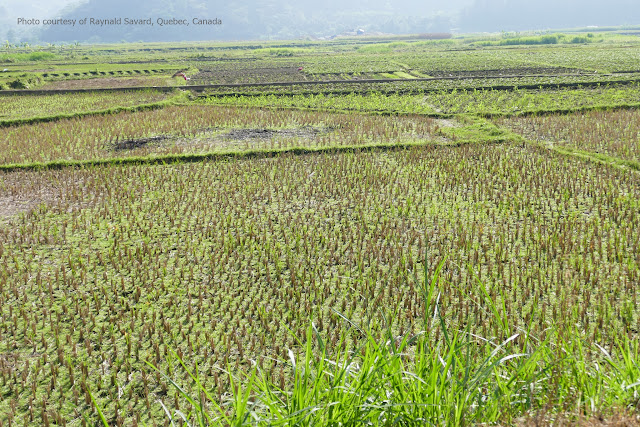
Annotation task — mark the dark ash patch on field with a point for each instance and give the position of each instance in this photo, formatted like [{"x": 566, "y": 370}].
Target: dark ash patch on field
[
  {"x": 132, "y": 144},
  {"x": 265, "y": 134}
]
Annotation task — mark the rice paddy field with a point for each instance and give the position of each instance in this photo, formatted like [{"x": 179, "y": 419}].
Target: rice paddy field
[{"x": 358, "y": 231}]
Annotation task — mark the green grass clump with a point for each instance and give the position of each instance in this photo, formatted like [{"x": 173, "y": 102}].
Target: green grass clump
[{"x": 460, "y": 379}]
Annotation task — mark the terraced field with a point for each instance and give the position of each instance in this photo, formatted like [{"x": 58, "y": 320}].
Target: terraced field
[{"x": 458, "y": 243}]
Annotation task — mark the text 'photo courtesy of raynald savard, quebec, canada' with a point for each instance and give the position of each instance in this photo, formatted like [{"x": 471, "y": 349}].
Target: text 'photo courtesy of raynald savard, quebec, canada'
[{"x": 278, "y": 213}]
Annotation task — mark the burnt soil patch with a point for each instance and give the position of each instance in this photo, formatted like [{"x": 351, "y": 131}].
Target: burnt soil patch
[
  {"x": 132, "y": 144},
  {"x": 262, "y": 133}
]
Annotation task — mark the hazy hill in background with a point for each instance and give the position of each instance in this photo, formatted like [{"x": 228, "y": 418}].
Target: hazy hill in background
[
  {"x": 259, "y": 19},
  {"x": 286, "y": 19},
  {"x": 10, "y": 10}
]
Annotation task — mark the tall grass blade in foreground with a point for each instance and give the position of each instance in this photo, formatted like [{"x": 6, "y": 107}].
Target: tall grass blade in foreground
[{"x": 462, "y": 380}]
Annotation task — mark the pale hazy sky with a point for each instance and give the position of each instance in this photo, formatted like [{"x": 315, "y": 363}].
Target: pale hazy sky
[{"x": 17, "y": 8}]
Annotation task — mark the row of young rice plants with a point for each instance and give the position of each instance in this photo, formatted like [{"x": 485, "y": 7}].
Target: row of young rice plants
[
  {"x": 224, "y": 265},
  {"x": 369, "y": 102},
  {"x": 441, "y": 61},
  {"x": 483, "y": 102},
  {"x": 202, "y": 129},
  {"x": 94, "y": 64},
  {"x": 107, "y": 82},
  {"x": 435, "y": 85},
  {"x": 437, "y": 61},
  {"x": 531, "y": 101},
  {"x": 613, "y": 133},
  {"x": 603, "y": 58},
  {"x": 349, "y": 62},
  {"x": 245, "y": 76},
  {"x": 244, "y": 63},
  {"x": 21, "y": 106},
  {"x": 425, "y": 59}
]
